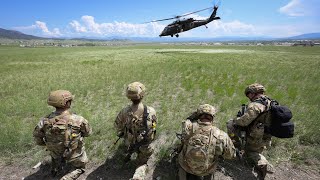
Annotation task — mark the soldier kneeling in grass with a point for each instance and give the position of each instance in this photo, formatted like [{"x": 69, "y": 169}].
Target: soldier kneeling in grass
[
  {"x": 201, "y": 145},
  {"x": 136, "y": 124},
  {"x": 63, "y": 132}
]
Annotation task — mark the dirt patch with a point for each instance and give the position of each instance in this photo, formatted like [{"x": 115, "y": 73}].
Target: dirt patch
[{"x": 164, "y": 170}]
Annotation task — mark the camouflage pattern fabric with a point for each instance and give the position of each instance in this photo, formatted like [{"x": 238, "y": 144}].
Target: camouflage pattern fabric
[
  {"x": 131, "y": 124},
  {"x": 257, "y": 140},
  {"x": 204, "y": 143},
  {"x": 57, "y": 142},
  {"x": 73, "y": 174}
]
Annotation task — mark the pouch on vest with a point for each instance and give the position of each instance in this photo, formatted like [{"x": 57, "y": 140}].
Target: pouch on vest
[
  {"x": 257, "y": 130},
  {"x": 55, "y": 130},
  {"x": 60, "y": 133}
]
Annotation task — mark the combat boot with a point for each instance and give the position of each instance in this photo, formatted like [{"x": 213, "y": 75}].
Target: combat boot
[
  {"x": 54, "y": 172},
  {"x": 270, "y": 169},
  {"x": 54, "y": 167},
  {"x": 73, "y": 175},
  {"x": 261, "y": 171},
  {"x": 140, "y": 172},
  {"x": 209, "y": 177}
]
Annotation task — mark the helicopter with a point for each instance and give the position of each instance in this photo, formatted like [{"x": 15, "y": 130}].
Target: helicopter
[{"x": 179, "y": 26}]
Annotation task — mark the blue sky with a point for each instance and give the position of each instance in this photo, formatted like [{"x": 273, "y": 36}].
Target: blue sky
[{"x": 105, "y": 18}]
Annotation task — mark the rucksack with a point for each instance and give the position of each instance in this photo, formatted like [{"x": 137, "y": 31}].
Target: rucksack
[
  {"x": 200, "y": 149},
  {"x": 281, "y": 126},
  {"x": 59, "y": 134}
]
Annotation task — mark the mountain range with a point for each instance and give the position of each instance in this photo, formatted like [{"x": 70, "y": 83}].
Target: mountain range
[{"x": 11, "y": 34}]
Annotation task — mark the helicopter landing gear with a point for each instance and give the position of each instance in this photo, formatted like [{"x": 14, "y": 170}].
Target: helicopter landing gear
[
  {"x": 171, "y": 35},
  {"x": 177, "y": 35},
  {"x": 206, "y": 26}
]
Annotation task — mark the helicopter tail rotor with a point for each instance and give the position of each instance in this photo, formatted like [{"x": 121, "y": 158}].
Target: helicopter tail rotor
[
  {"x": 216, "y": 3},
  {"x": 214, "y": 11}
]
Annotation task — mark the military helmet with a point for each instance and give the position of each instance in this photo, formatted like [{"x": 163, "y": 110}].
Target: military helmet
[
  {"x": 206, "y": 109},
  {"x": 59, "y": 98},
  {"x": 254, "y": 88},
  {"x": 135, "y": 90}
]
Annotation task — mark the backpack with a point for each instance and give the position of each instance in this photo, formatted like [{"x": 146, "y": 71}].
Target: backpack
[
  {"x": 281, "y": 126},
  {"x": 200, "y": 149},
  {"x": 60, "y": 134}
]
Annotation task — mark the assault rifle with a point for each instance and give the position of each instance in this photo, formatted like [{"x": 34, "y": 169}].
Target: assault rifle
[
  {"x": 193, "y": 117},
  {"x": 176, "y": 150},
  {"x": 135, "y": 147},
  {"x": 120, "y": 135},
  {"x": 241, "y": 134}
]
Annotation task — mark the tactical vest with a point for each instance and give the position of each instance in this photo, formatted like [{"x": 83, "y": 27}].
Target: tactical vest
[
  {"x": 62, "y": 136},
  {"x": 201, "y": 149},
  {"x": 139, "y": 129}
]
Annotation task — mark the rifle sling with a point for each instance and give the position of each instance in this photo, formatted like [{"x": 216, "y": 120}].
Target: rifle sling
[
  {"x": 145, "y": 120},
  {"x": 136, "y": 146}
]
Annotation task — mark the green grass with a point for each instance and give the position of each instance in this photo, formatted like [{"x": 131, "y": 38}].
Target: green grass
[{"x": 178, "y": 79}]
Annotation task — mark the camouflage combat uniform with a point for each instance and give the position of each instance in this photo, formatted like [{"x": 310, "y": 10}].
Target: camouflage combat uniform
[
  {"x": 131, "y": 124},
  {"x": 255, "y": 121},
  {"x": 136, "y": 123},
  {"x": 257, "y": 140},
  {"x": 63, "y": 132},
  {"x": 217, "y": 143}
]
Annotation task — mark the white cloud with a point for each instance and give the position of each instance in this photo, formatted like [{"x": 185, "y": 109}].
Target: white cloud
[
  {"x": 220, "y": 28},
  {"x": 279, "y": 30},
  {"x": 88, "y": 26},
  {"x": 77, "y": 27},
  {"x": 40, "y": 28},
  {"x": 301, "y": 8},
  {"x": 91, "y": 24},
  {"x": 287, "y": 30},
  {"x": 233, "y": 28}
]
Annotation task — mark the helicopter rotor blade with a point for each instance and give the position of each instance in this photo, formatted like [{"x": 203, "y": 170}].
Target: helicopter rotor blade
[
  {"x": 162, "y": 19},
  {"x": 195, "y": 12},
  {"x": 177, "y": 17}
]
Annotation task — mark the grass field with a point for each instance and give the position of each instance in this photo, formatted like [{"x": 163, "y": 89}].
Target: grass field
[{"x": 178, "y": 79}]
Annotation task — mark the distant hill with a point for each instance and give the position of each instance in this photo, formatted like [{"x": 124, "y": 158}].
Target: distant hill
[
  {"x": 11, "y": 34},
  {"x": 196, "y": 39},
  {"x": 309, "y": 36},
  {"x": 102, "y": 39}
]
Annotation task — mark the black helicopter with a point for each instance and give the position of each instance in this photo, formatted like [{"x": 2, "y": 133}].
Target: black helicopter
[{"x": 179, "y": 26}]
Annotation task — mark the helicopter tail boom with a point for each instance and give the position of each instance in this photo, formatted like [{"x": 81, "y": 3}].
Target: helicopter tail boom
[{"x": 213, "y": 15}]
